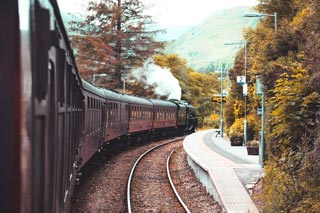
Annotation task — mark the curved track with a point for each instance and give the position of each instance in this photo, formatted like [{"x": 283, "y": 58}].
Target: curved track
[
  {"x": 172, "y": 184},
  {"x": 152, "y": 181}
]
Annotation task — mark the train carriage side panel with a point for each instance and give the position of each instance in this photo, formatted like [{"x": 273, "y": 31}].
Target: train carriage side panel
[
  {"x": 93, "y": 123},
  {"x": 165, "y": 115},
  {"x": 140, "y": 114},
  {"x": 51, "y": 105},
  {"x": 116, "y": 115}
]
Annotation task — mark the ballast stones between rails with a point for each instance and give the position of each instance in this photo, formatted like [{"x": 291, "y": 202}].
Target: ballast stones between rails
[{"x": 129, "y": 204}]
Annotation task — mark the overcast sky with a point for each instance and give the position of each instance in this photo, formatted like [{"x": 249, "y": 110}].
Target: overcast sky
[
  {"x": 172, "y": 12},
  {"x": 189, "y": 12}
]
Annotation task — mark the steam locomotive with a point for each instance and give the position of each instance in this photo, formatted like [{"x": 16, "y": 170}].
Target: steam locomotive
[{"x": 52, "y": 121}]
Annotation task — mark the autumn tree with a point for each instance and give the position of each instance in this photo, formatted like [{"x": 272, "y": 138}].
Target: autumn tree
[
  {"x": 113, "y": 38},
  {"x": 287, "y": 61},
  {"x": 197, "y": 88}
]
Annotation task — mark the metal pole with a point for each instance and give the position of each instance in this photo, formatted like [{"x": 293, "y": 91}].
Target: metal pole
[
  {"x": 245, "y": 124},
  {"x": 221, "y": 104},
  {"x": 94, "y": 78},
  {"x": 245, "y": 59},
  {"x": 124, "y": 86},
  {"x": 261, "y": 154},
  {"x": 275, "y": 21}
]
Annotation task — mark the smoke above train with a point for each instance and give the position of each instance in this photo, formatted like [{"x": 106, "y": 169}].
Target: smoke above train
[{"x": 162, "y": 78}]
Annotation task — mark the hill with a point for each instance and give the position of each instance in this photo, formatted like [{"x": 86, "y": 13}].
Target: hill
[{"x": 203, "y": 44}]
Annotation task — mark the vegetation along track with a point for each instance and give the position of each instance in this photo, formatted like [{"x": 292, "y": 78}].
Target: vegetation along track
[{"x": 103, "y": 185}]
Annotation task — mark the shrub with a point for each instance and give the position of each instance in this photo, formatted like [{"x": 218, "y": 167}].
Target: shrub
[{"x": 236, "y": 130}]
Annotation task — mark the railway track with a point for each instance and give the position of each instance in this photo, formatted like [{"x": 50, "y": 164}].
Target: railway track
[
  {"x": 172, "y": 183},
  {"x": 150, "y": 183},
  {"x": 103, "y": 185}
]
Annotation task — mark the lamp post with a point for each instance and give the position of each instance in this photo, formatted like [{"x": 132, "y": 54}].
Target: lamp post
[
  {"x": 98, "y": 75},
  {"x": 245, "y": 123},
  {"x": 260, "y": 92},
  {"x": 123, "y": 78},
  {"x": 263, "y": 15},
  {"x": 222, "y": 94},
  {"x": 221, "y": 102},
  {"x": 126, "y": 80}
]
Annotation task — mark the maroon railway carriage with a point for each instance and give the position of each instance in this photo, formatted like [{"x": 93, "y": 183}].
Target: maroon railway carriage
[
  {"x": 94, "y": 118},
  {"x": 164, "y": 118},
  {"x": 116, "y": 115},
  {"x": 140, "y": 118},
  {"x": 42, "y": 109}
]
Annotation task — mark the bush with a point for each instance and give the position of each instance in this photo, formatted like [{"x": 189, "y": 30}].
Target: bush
[
  {"x": 254, "y": 127},
  {"x": 237, "y": 128}
]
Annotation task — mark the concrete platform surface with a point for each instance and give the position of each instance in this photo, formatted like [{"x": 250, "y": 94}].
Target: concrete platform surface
[{"x": 229, "y": 168}]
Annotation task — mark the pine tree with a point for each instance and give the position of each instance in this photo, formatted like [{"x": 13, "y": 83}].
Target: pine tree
[{"x": 113, "y": 39}]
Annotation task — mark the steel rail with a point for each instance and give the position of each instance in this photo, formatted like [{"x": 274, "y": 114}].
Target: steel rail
[
  {"x": 135, "y": 165},
  {"x": 172, "y": 184}
]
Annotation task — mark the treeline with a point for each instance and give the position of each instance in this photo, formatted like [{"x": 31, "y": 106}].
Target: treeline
[
  {"x": 287, "y": 60},
  {"x": 114, "y": 38}
]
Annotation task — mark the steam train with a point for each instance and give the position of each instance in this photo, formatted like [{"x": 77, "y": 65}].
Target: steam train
[{"x": 52, "y": 121}]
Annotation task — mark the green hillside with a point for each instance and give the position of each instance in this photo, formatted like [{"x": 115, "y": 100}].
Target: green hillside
[{"x": 204, "y": 43}]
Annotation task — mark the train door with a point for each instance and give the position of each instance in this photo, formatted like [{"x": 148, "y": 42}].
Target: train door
[
  {"x": 127, "y": 116},
  {"x": 103, "y": 119},
  {"x": 61, "y": 114},
  {"x": 40, "y": 68},
  {"x": 106, "y": 121},
  {"x": 45, "y": 147}
]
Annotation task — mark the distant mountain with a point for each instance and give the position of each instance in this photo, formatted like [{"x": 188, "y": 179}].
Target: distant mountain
[
  {"x": 203, "y": 45},
  {"x": 171, "y": 32}
]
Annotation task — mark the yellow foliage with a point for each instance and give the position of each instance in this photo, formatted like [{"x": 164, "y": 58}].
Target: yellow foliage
[
  {"x": 237, "y": 128},
  {"x": 299, "y": 19},
  {"x": 214, "y": 117},
  {"x": 238, "y": 108}
]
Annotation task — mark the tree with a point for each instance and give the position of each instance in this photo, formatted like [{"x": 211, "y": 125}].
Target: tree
[
  {"x": 197, "y": 88},
  {"x": 113, "y": 39},
  {"x": 288, "y": 62}
]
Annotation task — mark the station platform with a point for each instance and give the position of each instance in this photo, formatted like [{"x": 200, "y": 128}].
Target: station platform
[{"x": 230, "y": 170}]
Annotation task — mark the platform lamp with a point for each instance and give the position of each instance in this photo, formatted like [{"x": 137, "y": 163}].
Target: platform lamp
[
  {"x": 260, "y": 92},
  {"x": 263, "y": 15},
  {"x": 97, "y": 75},
  {"x": 245, "y": 123}
]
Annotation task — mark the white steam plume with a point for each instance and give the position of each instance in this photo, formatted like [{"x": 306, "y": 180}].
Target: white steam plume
[{"x": 166, "y": 83}]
